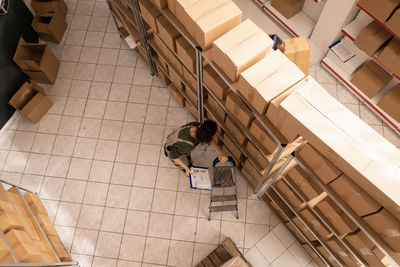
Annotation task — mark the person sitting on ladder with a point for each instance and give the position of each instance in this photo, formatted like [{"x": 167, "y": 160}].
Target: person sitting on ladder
[{"x": 182, "y": 141}]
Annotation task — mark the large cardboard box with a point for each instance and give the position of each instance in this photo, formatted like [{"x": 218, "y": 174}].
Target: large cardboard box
[
  {"x": 256, "y": 156},
  {"x": 168, "y": 32},
  {"x": 370, "y": 78},
  {"x": 240, "y": 48},
  {"x": 37, "y": 61},
  {"x": 380, "y": 10},
  {"x": 318, "y": 164},
  {"x": 288, "y": 8},
  {"x": 186, "y": 53},
  {"x": 371, "y": 38},
  {"x": 299, "y": 52},
  {"x": 289, "y": 194},
  {"x": 300, "y": 180},
  {"x": 10, "y": 221},
  {"x": 390, "y": 103},
  {"x": 216, "y": 108},
  {"x": 387, "y": 227},
  {"x": 390, "y": 56},
  {"x": 394, "y": 22},
  {"x": 49, "y": 6},
  {"x": 177, "y": 7},
  {"x": 238, "y": 109},
  {"x": 35, "y": 203},
  {"x": 364, "y": 246},
  {"x": 267, "y": 79},
  {"x": 149, "y": 13},
  {"x": 215, "y": 83},
  {"x": 208, "y": 20},
  {"x": 50, "y": 26},
  {"x": 30, "y": 99},
  {"x": 235, "y": 131},
  {"x": 262, "y": 136}
]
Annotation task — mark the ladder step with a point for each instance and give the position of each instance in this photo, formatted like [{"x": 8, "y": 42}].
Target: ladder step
[
  {"x": 223, "y": 208},
  {"x": 223, "y": 198}
]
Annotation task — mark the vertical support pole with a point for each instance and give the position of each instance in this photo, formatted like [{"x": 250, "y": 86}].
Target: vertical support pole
[
  {"x": 142, "y": 33},
  {"x": 115, "y": 20},
  {"x": 199, "y": 73}
]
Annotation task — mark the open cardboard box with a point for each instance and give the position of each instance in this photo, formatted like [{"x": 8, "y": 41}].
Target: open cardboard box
[
  {"x": 50, "y": 26},
  {"x": 49, "y": 6}
]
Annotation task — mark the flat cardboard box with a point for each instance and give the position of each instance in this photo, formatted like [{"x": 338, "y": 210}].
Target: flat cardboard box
[
  {"x": 37, "y": 61},
  {"x": 364, "y": 246},
  {"x": 49, "y": 6},
  {"x": 386, "y": 226},
  {"x": 288, "y": 8},
  {"x": 289, "y": 194},
  {"x": 370, "y": 78},
  {"x": 240, "y": 48},
  {"x": 238, "y": 109},
  {"x": 149, "y": 13},
  {"x": 168, "y": 32},
  {"x": 191, "y": 110},
  {"x": 50, "y": 26},
  {"x": 175, "y": 78},
  {"x": 394, "y": 22},
  {"x": 208, "y": 20},
  {"x": 305, "y": 186},
  {"x": 262, "y": 136},
  {"x": 235, "y": 131},
  {"x": 35, "y": 203},
  {"x": 46, "y": 224},
  {"x": 187, "y": 53},
  {"x": 318, "y": 164},
  {"x": 390, "y": 56},
  {"x": 256, "y": 156},
  {"x": 215, "y": 83},
  {"x": 371, "y": 38},
  {"x": 268, "y": 79},
  {"x": 380, "y": 10},
  {"x": 299, "y": 52},
  {"x": 390, "y": 103},
  {"x": 319, "y": 228},
  {"x": 216, "y": 108}
]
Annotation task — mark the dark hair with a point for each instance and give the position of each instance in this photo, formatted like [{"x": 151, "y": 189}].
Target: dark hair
[
  {"x": 206, "y": 131},
  {"x": 278, "y": 44}
]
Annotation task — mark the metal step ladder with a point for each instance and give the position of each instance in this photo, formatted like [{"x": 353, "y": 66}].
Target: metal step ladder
[{"x": 224, "y": 178}]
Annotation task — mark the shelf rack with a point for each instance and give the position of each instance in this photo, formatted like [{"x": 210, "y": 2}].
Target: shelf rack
[{"x": 36, "y": 225}]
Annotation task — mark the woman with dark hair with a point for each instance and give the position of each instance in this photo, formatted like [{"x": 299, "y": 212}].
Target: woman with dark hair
[
  {"x": 278, "y": 43},
  {"x": 181, "y": 142}
]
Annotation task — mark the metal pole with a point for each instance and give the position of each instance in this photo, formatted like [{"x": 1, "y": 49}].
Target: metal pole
[
  {"x": 199, "y": 73},
  {"x": 142, "y": 33}
]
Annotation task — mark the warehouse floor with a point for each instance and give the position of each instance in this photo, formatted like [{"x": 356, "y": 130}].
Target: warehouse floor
[{"x": 96, "y": 159}]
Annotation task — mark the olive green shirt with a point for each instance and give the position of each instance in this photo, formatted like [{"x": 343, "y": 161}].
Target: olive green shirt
[{"x": 181, "y": 148}]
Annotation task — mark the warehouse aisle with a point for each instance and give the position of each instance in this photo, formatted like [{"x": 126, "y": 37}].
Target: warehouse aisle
[{"x": 96, "y": 159}]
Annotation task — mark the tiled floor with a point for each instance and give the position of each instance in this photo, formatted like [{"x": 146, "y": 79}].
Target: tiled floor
[{"x": 96, "y": 160}]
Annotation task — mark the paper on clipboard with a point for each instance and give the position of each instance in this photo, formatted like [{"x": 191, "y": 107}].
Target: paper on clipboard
[{"x": 200, "y": 178}]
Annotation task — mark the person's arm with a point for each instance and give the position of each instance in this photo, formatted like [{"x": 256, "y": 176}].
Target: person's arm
[
  {"x": 221, "y": 156},
  {"x": 183, "y": 165}
]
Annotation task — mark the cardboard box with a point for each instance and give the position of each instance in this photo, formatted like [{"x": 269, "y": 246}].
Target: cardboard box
[
  {"x": 380, "y": 10},
  {"x": 50, "y": 26},
  {"x": 49, "y": 6},
  {"x": 319, "y": 228},
  {"x": 46, "y": 224},
  {"x": 306, "y": 232},
  {"x": 175, "y": 63},
  {"x": 238, "y": 109},
  {"x": 303, "y": 183},
  {"x": 31, "y": 100},
  {"x": 30, "y": 227},
  {"x": 386, "y": 226},
  {"x": 235, "y": 262},
  {"x": 215, "y": 83},
  {"x": 162, "y": 75},
  {"x": 256, "y": 156},
  {"x": 58, "y": 246},
  {"x": 161, "y": 3},
  {"x": 268, "y": 79},
  {"x": 371, "y": 38},
  {"x": 191, "y": 110},
  {"x": 325, "y": 253},
  {"x": 216, "y": 109},
  {"x": 35, "y": 204},
  {"x": 358, "y": 200},
  {"x": 318, "y": 164},
  {"x": 296, "y": 233},
  {"x": 262, "y": 136},
  {"x": 4, "y": 249},
  {"x": 193, "y": 98},
  {"x": 394, "y": 22},
  {"x": 162, "y": 47},
  {"x": 390, "y": 56},
  {"x": 186, "y": 53},
  {"x": 168, "y": 32},
  {"x": 235, "y": 131},
  {"x": 208, "y": 20},
  {"x": 390, "y": 103},
  {"x": 27, "y": 253},
  {"x": 288, "y": 8},
  {"x": 314, "y": 255},
  {"x": 149, "y": 13},
  {"x": 341, "y": 252},
  {"x": 253, "y": 176},
  {"x": 6, "y": 207},
  {"x": 299, "y": 52},
  {"x": 289, "y": 194},
  {"x": 14, "y": 237},
  {"x": 175, "y": 78},
  {"x": 37, "y": 61},
  {"x": 360, "y": 242},
  {"x": 177, "y": 7},
  {"x": 233, "y": 149},
  {"x": 240, "y": 48},
  {"x": 191, "y": 81},
  {"x": 370, "y": 78}
]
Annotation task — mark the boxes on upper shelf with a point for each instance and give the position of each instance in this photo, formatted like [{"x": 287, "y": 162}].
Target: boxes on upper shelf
[
  {"x": 371, "y": 38},
  {"x": 390, "y": 103},
  {"x": 50, "y": 26},
  {"x": 49, "y": 6},
  {"x": 31, "y": 100},
  {"x": 370, "y": 78},
  {"x": 299, "y": 52},
  {"x": 149, "y": 13},
  {"x": 238, "y": 109},
  {"x": 176, "y": 94},
  {"x": 37, "y": 61},
  {"x": 288, "y": 8},
  {"x": 207, "y": 20},
  {"x": 380, "y": 10},
  {"x": 390, "y": 56},
  {"x": 394, "y": 22},
  {"x": 167, "y": 31},
  {"x": 186, "y": 53},
  {"x": 215, "y": 83},
  {"x": 240, "y": 48},
  {"x": 267, "y": 79}
]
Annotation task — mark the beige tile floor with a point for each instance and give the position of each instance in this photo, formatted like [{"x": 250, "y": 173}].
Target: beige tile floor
[{"x": 96, "y": 161}]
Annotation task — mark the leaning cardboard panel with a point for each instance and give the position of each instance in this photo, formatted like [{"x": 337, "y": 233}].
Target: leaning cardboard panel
[
  {"x": 371, "y": 38},
  {"x": 299, "y": 52},
  {"x": 390, "y": 103},
  {"x": 50, "y": 26},
  {"x": 49, "y": 6},
  {"x": 37, "y": 61},
  {"x": 381, "y": 9},
  {"x": 240, "y": 48}
]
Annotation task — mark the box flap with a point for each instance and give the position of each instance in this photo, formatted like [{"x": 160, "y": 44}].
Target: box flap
[{"x": 22, "y": 96}]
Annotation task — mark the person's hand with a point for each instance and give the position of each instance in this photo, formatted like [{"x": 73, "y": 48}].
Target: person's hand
[
  {"x": 222, "y": 158},
  {"x": 187, "y": 171}
]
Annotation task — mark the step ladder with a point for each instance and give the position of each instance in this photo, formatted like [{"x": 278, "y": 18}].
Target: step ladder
[{"x": 224, "y": 178}]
